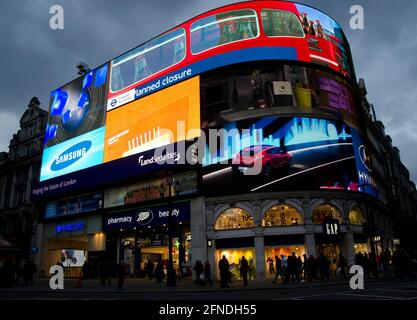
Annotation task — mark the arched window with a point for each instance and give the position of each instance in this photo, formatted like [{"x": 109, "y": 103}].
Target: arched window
[
  {"x": 234, "y": 218},
  {"x": 281, "y": 216},
  {"x": 325, "y": 211},
  {"x": 356, "y": 216}
]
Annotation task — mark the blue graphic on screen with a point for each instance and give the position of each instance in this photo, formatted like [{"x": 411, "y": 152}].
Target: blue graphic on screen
[
  {"x": 60, "y": 99},
  {"x": 75, "y": 154},
  {"x": 364, "y": 166},
  {"x": 293, "y": 133}
]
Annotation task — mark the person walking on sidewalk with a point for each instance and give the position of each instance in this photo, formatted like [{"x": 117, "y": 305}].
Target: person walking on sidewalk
[
  {"x": 199, "y": 270},
  {"x": 342, "y": 266},
  {"x": 28, "y": 270},
  {"x": 207, "y": 273},
  {"x": 224, "y": 272},
  {"x": 278, "y": 269},
  {"x": 121, "y": 275},
  {"x": 244, "y": 266}
]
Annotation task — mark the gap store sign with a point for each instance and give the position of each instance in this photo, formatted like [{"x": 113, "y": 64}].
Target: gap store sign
[{"x": 150, "y": 216}]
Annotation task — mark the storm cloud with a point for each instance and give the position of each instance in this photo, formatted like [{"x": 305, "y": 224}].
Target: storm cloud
[{"x": 36, "y": 59}]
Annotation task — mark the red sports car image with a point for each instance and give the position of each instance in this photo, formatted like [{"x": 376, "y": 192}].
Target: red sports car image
[{"x": 271, "y": 157}]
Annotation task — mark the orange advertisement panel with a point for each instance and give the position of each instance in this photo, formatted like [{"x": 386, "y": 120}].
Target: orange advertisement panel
[{"x": 165, "y": 117}]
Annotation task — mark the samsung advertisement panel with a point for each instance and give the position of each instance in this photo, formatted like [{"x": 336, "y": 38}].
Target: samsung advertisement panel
[
  {"x": 161, "y": 119},
  {"x": 74, "y": 137}
]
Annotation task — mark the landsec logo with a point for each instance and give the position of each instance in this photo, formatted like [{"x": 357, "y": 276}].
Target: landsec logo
[{"x": 71, "y": 155}]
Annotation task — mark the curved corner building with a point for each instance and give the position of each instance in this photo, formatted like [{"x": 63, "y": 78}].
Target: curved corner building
[{"x": 291, "y": 173}]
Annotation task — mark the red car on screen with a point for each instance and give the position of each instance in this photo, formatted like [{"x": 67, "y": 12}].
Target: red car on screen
[{"x": 271, "y": 158}]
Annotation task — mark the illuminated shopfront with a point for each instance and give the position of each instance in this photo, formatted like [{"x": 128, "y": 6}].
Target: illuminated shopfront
[
  {"x": 139, "y": 236},
  {"x": 72, "y": 242},
  {"x": 234, "y": 256},
  {"x": 271, "y": 252}
]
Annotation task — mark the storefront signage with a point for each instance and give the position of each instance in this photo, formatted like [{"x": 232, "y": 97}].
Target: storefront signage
[
  {"x": 70, "y": 227},
  {"x": 331, "y": 229},
  {"x": 142, "y": 217}
]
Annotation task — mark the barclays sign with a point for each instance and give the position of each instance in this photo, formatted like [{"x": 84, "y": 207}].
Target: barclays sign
[{"x": 70, "y": 227}]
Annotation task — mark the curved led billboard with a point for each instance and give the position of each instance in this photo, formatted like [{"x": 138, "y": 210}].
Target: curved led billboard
[{"x": 227, "y": 67}]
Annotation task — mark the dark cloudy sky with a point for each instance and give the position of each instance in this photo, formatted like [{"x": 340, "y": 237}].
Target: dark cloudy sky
[{"x": 35, "y": 59}]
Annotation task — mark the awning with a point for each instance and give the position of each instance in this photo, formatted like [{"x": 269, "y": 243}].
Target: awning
[{"x": 8, "y": 248}]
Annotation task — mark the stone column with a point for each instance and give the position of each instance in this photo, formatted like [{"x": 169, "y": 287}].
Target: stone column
[
  {"x": 310, "y": 244},
  {"x": 260, "y": 258},
  {"x": 348, "y": 248},
  {"x": 198, "y": 231}
]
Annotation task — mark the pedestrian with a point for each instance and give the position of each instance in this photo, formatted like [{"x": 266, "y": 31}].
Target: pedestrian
[
  {"x": 159, "y": 272},
  {"x": 224, "y": 272},
  {"x": 293, "y": 268},
  {"x": 342, "y": 266},
  {"x": 323, "y": 267},
  {"x": 207, "y": 273},
  {"x": 312, "y": 268},
  {"x": 285, "y": 273},
  {"x": 84, "y": 270},
  {"x": 101, "y": 272},
  {"x": 244, "y": 268},
  {"x": 108, "y": 272},
  {"x": 278, "y": 269},
  {"x": 150, "y": 269},
  {"x": 28, "y": 270},
  {"x": 199, "y": 270},
  {"x": 121, "y": 275}
]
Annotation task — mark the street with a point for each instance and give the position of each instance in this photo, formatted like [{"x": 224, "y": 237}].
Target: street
[{"x": 138, "y": 290}]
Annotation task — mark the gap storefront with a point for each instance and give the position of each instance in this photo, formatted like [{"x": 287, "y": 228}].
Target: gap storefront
[{"x": 140, "y": 236}]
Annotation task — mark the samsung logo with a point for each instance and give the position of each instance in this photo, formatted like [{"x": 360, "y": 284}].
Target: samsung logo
[{"x": 71, "y": 155}]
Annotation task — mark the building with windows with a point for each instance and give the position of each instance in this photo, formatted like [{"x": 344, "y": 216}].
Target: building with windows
[{"x": 19, "y": 169}]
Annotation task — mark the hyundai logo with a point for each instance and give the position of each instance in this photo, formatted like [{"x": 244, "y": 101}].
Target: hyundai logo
[
  {"x": 113, "y": 102},
  {"x": 71, "y": 155},
  {"x": 365, "y": 157}
]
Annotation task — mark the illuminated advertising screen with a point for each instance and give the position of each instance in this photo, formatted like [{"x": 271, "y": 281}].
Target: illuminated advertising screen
[
  {"x": 150, "y": 190},
  {"x": 74, "y": 137},
  {"x": 326, "y": 42},
  {"x": 156, "y": 120},
  {"x": 295, "y": 153},
  {"x": 74, "y": 205},
  {"x": 72, "y": 258},
  {"x": 81, "y": 134}
]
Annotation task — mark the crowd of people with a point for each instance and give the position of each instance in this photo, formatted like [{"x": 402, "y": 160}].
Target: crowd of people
[
  {"x": 397, "y": 266},
  {"x": 11, "y": 273}
]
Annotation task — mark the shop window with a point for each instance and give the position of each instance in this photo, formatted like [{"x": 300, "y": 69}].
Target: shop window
[
  {"x": 223, "y": 28},
  {"x": 282, "y": 216},
  {"x": 356, "y": 216},
  {"x": 234, "y": 218},
  {"x": 278, "y": 23},
  {"x": 326, "y": 211}
]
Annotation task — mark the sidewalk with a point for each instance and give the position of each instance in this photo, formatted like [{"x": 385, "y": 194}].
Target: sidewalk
[{"x": 145, "y": 285}]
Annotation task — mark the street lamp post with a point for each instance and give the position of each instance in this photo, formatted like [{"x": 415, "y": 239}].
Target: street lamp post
[
  {"x": 371, "y": 226},
  {"x": 170, "y": 267}
]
